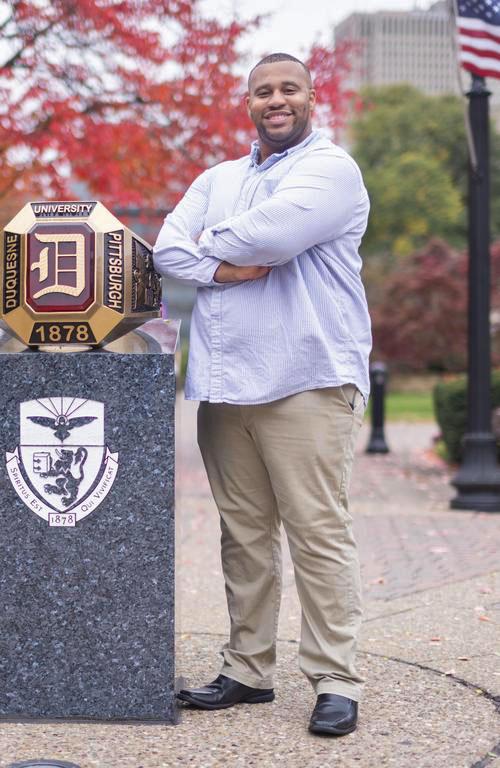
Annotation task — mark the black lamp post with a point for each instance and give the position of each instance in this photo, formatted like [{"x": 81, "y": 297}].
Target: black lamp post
[
  {"x": 378, "y": 378},
  {"x": 478, "y": 478}
]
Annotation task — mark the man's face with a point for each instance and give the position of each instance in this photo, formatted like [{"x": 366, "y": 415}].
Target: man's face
[{"x": 279, "y": 102}]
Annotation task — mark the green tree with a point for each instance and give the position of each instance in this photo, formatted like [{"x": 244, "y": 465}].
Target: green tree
[
  {"x": 413, "y": 198},
  {"x": 396, "y": 122}
]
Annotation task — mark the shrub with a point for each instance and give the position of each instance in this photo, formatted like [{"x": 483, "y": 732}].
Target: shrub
[
  {"x": 421, "y": 322},
  {"x": 420, "y": 313},
  {"x": 450, "y": 407}
]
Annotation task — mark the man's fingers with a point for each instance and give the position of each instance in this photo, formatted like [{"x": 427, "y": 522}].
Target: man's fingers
[
  {"x": 229, "y": 273},
  {"x": 259, "y": 272},
  {"x": 255, "y": 273}
]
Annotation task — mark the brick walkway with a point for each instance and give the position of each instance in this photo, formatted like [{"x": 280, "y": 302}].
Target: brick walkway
[{"x": 409, "y": 538}]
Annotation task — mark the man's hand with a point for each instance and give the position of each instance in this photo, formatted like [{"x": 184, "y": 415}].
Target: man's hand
[{"x": 228, "y": 273}]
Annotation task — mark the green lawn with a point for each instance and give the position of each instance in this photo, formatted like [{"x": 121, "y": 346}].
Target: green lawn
[{"x": 409, "y": 406}]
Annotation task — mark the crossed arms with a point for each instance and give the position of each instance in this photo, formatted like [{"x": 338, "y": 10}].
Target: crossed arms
[{"x": 313, "y": 203}]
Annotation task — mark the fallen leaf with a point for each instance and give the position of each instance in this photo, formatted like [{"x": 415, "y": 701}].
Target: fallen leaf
[
  {"x": 435, "y": 640},
  {"x": 463, "y": 658},
  {"x": 450, "y": 672},
  {"x": 484, "y": 618},
  {"x": 486, "y": 590},
  {"x": 438, "y": 550}
]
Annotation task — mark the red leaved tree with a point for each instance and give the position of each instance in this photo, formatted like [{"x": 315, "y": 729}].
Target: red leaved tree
[
  {"x": 133, "y": 99},
  {"x": 330, "y": 69},
  {"x": 421, "y": 320},
  {"x": 122, "y": 96}
]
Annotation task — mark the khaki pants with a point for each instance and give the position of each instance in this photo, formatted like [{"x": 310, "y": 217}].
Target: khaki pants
[{"x": 289, "y": 461}]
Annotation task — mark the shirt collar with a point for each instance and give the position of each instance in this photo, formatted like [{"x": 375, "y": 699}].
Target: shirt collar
[{"x": 255, "y": 152}]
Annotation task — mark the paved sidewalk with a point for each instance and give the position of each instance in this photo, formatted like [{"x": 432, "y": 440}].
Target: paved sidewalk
[{"x": 429, "y": 649}]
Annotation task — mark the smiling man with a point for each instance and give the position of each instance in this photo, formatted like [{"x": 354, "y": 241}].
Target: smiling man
[
  {"x": 280, "y": 338},
  {"x": 280, "y": 103}
]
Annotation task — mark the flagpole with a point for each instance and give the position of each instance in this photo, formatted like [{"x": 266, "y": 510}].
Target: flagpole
[
  {"x": 478, "y": 478},
  {"x": 453, "y": 8}
]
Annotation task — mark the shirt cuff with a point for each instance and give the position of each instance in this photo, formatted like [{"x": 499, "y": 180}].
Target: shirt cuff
[
  {"x": 206, "y": 243},
  {"x": 210, "y": 267}
]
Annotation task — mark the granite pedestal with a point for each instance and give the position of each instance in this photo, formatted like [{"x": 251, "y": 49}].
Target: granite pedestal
[{"x": 87, "y": 568}]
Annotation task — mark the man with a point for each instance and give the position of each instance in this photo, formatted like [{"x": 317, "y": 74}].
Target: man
[{"x": 280, "y": 338}]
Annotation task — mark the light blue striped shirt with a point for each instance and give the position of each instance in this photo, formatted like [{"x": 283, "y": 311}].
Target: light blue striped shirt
[{"x": 306, "y": 324}]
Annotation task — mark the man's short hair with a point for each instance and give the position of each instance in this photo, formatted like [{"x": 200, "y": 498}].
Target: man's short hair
[{"x": 274, "y": 57}]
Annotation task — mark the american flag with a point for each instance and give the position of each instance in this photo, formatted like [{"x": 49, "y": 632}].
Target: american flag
[{"x": 478, "y": 23}]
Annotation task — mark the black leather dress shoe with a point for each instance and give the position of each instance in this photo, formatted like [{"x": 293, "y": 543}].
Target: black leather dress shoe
[
  {"x": 223, "y": 693},
  {"x": 334, "y": 715}
]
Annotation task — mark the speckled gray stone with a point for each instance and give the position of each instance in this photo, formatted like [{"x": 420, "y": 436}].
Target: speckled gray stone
[{"x": 87, "y": 613}]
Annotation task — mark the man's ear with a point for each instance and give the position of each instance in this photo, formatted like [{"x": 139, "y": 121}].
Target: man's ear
[
  {"x": 247, "y": 102},
  {"x": 312, "y": 98}
]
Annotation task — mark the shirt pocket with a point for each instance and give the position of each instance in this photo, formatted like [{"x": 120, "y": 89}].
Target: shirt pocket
[
  {"x": 263, "y": 191},
  {"x": 270, "y": 185}
]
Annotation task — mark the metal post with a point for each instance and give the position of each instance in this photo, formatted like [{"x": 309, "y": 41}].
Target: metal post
[
  {"x": 478, "y": 479},
  {"x": 378, "y": 377}
]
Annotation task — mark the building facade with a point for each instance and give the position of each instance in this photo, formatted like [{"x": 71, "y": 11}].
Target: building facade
[{"x": 416, "y": 47}]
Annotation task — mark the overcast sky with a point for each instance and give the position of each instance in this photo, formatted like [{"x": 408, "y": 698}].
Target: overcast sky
[{"x": 295, "y": 24}]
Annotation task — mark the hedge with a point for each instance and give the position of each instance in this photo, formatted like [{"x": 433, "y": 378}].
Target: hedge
[{"x": 450, "y": 408}]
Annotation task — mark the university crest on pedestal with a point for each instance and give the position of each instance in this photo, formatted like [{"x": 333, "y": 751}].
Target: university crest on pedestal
[{"x": 62, "y": 469}]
